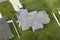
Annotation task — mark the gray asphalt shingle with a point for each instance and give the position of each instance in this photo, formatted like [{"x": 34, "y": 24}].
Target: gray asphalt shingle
[
  {"x": 5, "y": 31},
  {"x": 2, "y": 0},
  {"x": 32, "y": 19}
]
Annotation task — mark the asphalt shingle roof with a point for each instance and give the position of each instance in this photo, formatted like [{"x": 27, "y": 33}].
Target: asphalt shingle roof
[
  {"x": 2, "y": 0},
  {"x": 32, "y": 19},
  {"x": 5, "y": 31}
]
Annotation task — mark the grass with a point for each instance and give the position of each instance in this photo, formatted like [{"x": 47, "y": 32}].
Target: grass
[
  {"x": 8, "y": 12},
  {"x": 54, "y": 4},
  {"x": 50, "y": 31},
  {"x": 6, "y": 9}
]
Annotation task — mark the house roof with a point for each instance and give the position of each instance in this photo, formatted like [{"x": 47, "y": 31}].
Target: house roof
[
  {"x": 32, "y": 19},
  {"x": 37, "y": 26},
  {"x": 42, "y": 17},
  {"x": 2, "y": 0},
  {"x": 5, "y": 31}
]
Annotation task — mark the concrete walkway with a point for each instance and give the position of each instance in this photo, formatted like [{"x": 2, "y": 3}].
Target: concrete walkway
[
  {"x": 56, "y": 19},
  {"x": 11, "y": 21},
  {"x": 16, "y": 4},
  {"x": 59, "y": 12},
  {"x": 0, "y": 15}
]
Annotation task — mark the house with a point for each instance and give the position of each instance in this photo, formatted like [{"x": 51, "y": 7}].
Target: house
[
  {"x": 34, "y": 19},
  {"x": 3, "y": 0},
  {"x": 5, "y": 32}
]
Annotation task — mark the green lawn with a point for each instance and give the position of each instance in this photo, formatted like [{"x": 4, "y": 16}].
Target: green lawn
[
  {"x": 50, "y": 31},
  {"x": 6, "y": 9}
]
